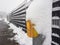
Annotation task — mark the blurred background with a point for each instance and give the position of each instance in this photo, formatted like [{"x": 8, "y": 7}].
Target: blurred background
[{"x": 39, "y": 13}]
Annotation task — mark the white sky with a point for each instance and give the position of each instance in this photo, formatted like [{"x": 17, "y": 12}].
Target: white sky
[
  {"x": 39, "y": 12},
  {"x": 9, "y": 5}
]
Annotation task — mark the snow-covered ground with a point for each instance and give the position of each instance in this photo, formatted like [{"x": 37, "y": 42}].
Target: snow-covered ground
[{"x": 39, "y": 13}]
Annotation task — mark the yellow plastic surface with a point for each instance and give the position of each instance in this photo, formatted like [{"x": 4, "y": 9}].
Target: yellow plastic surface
[{"x": 31, "y": 31}]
